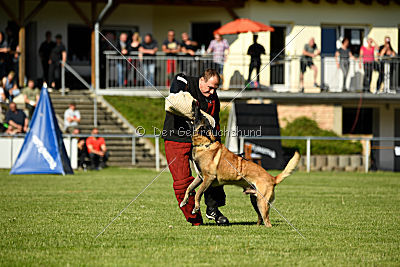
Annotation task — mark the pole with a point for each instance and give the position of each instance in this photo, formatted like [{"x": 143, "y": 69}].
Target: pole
[
  {"x": 157, "y": 153},
  {"x": 22, "y": 55},
  {"x": 308, "y": 154},
  {"x": 367, "y": 148},
  {"x": 62, "y": 79},
  {"x": 133, "y": 150},
  {"x": 241, "y": 145}
]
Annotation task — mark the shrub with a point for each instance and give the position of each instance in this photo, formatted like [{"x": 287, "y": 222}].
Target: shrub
[{"x": 304, "y": 126}]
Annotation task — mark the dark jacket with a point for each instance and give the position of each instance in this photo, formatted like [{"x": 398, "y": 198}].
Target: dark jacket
[{"x": 176, "y": 127}]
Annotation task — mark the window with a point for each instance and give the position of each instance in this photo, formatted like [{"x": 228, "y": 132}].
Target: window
[
  {"x": 79, "y": 43},
  {"x": 203, "y": 32},
  {"x": 354, "y": 123}
]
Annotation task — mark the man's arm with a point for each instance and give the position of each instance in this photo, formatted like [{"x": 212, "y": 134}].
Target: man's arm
[
  {"x": 26, "y": 123},
  {"x": 15, "y": 125}
]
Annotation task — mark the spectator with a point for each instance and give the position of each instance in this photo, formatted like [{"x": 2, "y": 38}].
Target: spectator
[
  {"x": 309, "y": 52},
  {"x": 123, "y": 47},
  {"x": 97, "y": 150},
  {"x": 3, "y": 55},
  {"x": 385, "y": 53},
  {"x": 31, "y": 97},
  {"x": 171, "y": 47},
  {"x": 188, "y": 46},
  {"x": 16, "y": 119},
  {"x": 3, "y": 97},
  {"x": 367, "y": 54},
  {"x": 82, "y": 149},
  {"x": 10, "y": 86},
  {"x": 72, "y": 117},
  {"x": 148, "y": 49},
  {"x": 342, "y": 57},
  {"x": 57, "y": 54},
  {"x": 218, "y": 47},
  {"x": 13, "y": 50},
  {"x": 255, "y": 51},
  {"x": 44, "y": 53},
  {"x": 134, "y": 47}
]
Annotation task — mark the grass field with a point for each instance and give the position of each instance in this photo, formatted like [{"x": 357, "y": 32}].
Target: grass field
[{"x": 347, "y": 219}]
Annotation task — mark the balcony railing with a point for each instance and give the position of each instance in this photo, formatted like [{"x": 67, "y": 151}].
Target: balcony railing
[{"x": 281, "y": 75}]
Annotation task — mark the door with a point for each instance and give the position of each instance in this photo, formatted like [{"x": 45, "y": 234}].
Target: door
[
  {"x": 203, "y": 32},
  {"x": 31, "y": 51},
  {"x": 277, "y": 49}
]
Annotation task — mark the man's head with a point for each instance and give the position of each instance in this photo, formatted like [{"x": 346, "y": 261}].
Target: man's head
[
  {"x": 255, "y": 38},
  {"x": 217, "y": 37},
  {"x": 209, "y": 82},
  {"x": 76, "y": 131},
  {"x": 185, "y": 36},
  {"x": 345, "y": 41},
  {"x": 13, "y": 106},
  {"x": 31, "y": 83},
  {"x": 123, "y": 37},
  {"x": 171, "y": 35},
  {"x": 95, "y": 131},
  {"x": 58, "y": 38},
  {"x": 311, "y": 43},
  {"x": 148, "y": 38},
  {"x": 72, "y": 106},
  {"x": 11, "y": 75},
  {"x": 48, "y": 36}
]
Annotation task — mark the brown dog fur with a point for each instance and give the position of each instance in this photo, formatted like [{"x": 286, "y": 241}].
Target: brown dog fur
[{"x": 216, "y": 165}]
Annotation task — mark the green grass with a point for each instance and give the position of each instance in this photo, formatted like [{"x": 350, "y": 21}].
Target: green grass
[
  {"x": 149, "y": 113},
  {"x": 347, "y": 219}
]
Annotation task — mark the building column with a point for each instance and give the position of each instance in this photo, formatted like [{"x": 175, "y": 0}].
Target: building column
[
  {"x": 21, "y": 62},
  {"x": 386, "y": 129}
]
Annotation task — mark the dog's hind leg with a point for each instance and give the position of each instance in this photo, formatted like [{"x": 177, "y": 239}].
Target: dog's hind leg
[
  {"x": 196, "y": 182},
  {"x": 263, "y": 203},
  {"x": 207, "y": 181},
  {"x": 253, "y": 200}
]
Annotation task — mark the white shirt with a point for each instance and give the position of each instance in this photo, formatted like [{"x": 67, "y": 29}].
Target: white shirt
[{"x": 69, "y": 113}]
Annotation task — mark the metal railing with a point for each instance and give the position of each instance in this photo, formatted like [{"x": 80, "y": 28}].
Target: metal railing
[
  {"x": 133, "y": 137},
  {"x": 283, "y": 74},
  {"x": 308, "y": 140}
]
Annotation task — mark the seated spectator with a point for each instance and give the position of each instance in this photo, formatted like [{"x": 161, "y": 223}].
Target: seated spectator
[
  {"x": 72, "y": 117},
  {"x": 16, "y": 119},
  {"x": 3, "y": 97},
  {"x": 10, "y": 86},
  {"x": 82, "y": 149},
  {"x": 97, "y": 150},
  {"x": 31, "y": 97}
]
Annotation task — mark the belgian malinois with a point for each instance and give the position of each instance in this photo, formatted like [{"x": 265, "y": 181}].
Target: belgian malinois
[{"x": 216, "y": 166}]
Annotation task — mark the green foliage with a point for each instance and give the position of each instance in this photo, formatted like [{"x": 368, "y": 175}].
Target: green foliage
[
  {"x": 348, "y": 219},
  {"x": 149, "y": 113},
  {"x": 304, "y": 126}
]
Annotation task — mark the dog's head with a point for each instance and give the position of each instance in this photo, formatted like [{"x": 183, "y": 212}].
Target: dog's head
[{"x": 202, "y": 128}]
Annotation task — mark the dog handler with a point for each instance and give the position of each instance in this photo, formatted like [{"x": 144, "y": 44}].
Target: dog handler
[{"x": 178, "y": 144}]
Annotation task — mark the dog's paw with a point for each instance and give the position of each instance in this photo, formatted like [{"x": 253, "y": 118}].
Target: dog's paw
[
  {"x": 195, "y": 210},
  {"x": 183, "y": 203}
]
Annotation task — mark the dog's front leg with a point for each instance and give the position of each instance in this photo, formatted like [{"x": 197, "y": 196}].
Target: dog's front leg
[
  {"x": 207, "y": 181},
  {"x": 190, "y": 188}
]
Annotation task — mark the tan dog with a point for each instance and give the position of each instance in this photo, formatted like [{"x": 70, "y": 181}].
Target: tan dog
[{"x": 216, "y": 165}]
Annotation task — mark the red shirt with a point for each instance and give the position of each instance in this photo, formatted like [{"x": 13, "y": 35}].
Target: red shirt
[{"x": 95, "y": 142}]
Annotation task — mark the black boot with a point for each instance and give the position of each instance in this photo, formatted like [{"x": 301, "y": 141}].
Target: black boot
[{"x": 217, "y": 216}]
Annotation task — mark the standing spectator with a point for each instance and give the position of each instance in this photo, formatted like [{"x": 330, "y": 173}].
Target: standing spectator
[
  {"x": 44, "y": 53},
  {"x": 367, "y": 54},
  {"x": 72, "y": 117},
  {"x": 3, "y": 55},
  {"x": 13, "y": 50},
  {"x": 255, "y": 51},
  {"x": 342, "y": 57},
  {"x": 171, "y": 47},
  {"x": 385, "y": 53},
  {"x": 3, "y": 97},
  {"x": 218, "y": 47},
  {"x": 97, "y": 150},
  {"x": 82, "y": 149},
  {"x": 57, "y": 54},
  {"x": 31, "y": 97},
  {"x": 123, "y": 47},
  {"x": 134, "y": 48},
  {"x": 10, "y": 86},
  {"x": 148, "y": 49},
  {"x": 309, "y": 52},
  {"x": 188, "y": 47},
  {"x": 16, "y": 119}
]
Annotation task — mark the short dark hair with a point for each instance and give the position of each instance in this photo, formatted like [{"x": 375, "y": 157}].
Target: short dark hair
[
  {"x": 58, "y": 36},
  {"x": 72, "y": 104},
  {"x": 48, "y": 33},
  {"x": 209, "y": 73}
]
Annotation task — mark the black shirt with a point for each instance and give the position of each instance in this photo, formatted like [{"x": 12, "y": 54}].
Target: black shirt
[
  {"x": 344, "y": 55},
  {"x": 171, "y": 45},
  {"x": 45, "y": 50},
  {"x": 151, "y": 45},
  {"x": 176, "y": 127},
  {"x": 188, "y": 47},
  {"x": 56, "y": 53},
  {"x": 18, "y": 117},
  {"x": 255, "y": 51}
]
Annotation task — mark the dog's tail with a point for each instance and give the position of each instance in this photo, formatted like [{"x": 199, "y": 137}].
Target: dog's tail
[{"x": 289, "y": 168}]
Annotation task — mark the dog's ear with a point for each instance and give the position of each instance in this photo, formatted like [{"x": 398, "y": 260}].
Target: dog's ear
[{"x": 196, "y": 109}]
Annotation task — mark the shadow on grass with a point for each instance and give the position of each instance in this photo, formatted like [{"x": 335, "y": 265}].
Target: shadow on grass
[{"x": 275, "y": 223}]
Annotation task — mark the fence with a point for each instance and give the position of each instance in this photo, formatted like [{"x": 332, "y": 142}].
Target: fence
[
  {"x": 14, "y": 147},
  {"x": 283, "y": 74},
  {"x": 308, "y": 139}
]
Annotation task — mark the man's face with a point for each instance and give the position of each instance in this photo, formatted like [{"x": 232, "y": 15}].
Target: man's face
[
  {"x": 95, "y": 131},
  {"x": 123, "y": 37},
  {"x": 76, "y": 131},
  {"x": 58, "y": 40},
  {"x": 185, "y": 36},
  {"x": 147, "y": 39},
  {"x": 311, "y": 42},
  {"x": 31, "y": 84},
  {"x": 13, "y": 107},
  {"x": 171, "y": 35},
  {"x": 209, "y": 87},
  {"x": 217, "y": 37},
  {"x": 72, "y": 107}
]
